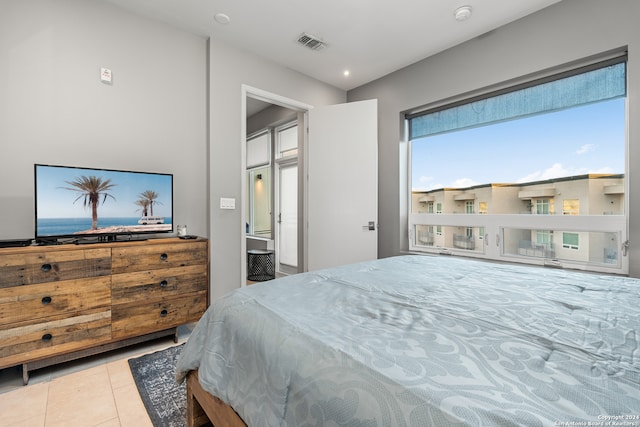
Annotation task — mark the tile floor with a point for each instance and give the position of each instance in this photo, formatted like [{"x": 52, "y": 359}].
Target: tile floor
[{"x": 89, "y": 392}]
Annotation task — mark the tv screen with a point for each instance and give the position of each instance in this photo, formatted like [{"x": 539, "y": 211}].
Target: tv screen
[{"x": 102, "y": 203}]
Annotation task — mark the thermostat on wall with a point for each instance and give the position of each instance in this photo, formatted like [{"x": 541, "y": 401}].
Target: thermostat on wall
[{"x": 105, "y": 75}]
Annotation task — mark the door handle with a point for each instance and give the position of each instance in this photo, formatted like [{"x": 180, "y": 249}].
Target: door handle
[{"x": 369, "y": 226}]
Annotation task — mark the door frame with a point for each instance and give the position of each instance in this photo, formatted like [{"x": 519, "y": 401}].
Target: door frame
[{"x": 302, "y": 109}]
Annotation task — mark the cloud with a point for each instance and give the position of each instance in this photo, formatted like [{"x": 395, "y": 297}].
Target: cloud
[
  {"x": 425, "y": 179},
  {"x": 586, "y": 148},
  {"x": 463, "y": 182},
  {"x": 558, "y": 171},
  {"x": 555, "y": 171},
  {"x": 425, "y": 184}
]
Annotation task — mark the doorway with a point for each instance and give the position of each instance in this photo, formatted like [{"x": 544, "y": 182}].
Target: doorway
[
  {"x": 280, "y": 120},
  {"x": 337, "y": 176}
]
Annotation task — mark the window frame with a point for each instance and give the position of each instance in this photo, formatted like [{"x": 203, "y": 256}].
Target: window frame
[{"x": 496, "y": 224}]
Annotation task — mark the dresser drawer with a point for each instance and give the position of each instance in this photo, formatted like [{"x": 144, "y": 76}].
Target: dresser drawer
[
  {"x": 158, "y": 284},
  {"x": 53, "y": 265},
  {"x": 151, "y": 257},
  {"x": 28, "y": 304},
  {"x": 41, "y": 340},
  {"x": 140, "y": 318}
]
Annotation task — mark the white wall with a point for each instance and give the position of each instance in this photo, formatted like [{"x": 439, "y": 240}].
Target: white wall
[
  {"x": 229, "y": 70},
  {"x": 55, "y": 110},
  {"x": 562, "y": 33}
]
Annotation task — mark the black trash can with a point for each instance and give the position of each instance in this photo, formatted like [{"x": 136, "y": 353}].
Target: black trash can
[{"x": 261, "y": 265}]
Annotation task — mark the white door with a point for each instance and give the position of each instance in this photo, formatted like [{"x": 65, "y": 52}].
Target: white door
[{"x": 342, "y": 174}]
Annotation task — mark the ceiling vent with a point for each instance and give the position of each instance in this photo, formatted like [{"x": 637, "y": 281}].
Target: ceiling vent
[{"x": 311, "y": 42}]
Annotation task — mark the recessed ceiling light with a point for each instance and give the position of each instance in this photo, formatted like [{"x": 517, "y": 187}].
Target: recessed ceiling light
[
  {"x": 463, "y": 13},
  {"x": 346, "y": 73},
  {"x": 222, "y": 18}
]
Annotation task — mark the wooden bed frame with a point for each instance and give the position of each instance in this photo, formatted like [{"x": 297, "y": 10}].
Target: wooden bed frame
[{"x": 203, "y": 408}]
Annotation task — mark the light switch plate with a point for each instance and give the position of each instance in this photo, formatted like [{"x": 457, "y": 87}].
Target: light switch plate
[{"x": 227, "y": 203}]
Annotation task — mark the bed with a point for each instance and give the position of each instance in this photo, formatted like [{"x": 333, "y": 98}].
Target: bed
[{"x": 420, "y": 341}]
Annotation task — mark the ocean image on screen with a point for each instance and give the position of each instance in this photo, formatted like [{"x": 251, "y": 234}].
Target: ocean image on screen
[{"x": 73, "y": 201}]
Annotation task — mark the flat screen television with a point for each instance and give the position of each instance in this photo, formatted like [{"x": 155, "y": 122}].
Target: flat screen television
[{"x": 100, "y": 204}]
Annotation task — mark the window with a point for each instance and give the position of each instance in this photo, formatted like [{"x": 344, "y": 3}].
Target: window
[
  {"x": 570, "y": 240},
  {"x": 570, "y": 207},
  {"x": 544, "y": 206},
  {"x": 560, "y": 138},
  {"x": 544, "y": 237},
  {"x": 429, "y": 207},
  {"x": 468, "y": 207}
]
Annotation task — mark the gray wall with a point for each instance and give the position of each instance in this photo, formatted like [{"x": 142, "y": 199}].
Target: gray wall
[
  {"x": 565, "y": 32},
  {"x": 229, "y": 70},
  {"x": 174, "y": 106},
  {"x": 55, "y": 110}
]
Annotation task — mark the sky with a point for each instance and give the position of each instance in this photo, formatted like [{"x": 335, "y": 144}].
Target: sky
[
  {"x": 576, "y": 141},
  {"x": 55, "y": 201}
]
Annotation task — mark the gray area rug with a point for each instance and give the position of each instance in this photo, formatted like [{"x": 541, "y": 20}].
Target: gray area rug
[{"x": 164, "y": 399}]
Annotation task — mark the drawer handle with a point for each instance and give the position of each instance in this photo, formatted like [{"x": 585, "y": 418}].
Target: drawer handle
[
  {"x": 163, "y": 257},
  {"x": 45, "y": 267},
  {"x": 164, "y": 284},
  {"x": 163, "y": 313},
  {"x": 47, "y": 337},
  {"x": 46, "y": 300}
]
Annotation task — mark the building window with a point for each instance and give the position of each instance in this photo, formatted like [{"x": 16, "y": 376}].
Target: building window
[
  {"x": 468, "y": 207},
  {"x": 544, "y": 237},
  {"x": 429, "y": 207},
  {"x": 552, "y": 117},
  {"x": 570, "y": 240},
  {"x": 544, "y": 206},
  {"x": 570, "y": 207}
]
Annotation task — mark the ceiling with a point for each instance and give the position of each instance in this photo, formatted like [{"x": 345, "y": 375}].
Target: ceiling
[{"x": 370, "y": 38}]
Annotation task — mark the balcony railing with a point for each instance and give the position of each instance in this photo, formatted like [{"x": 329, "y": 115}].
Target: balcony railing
[
  {"x": 540, "y": 250},
  {"x": 425, "y": 238},
  {"x": 462, "y": 241}
]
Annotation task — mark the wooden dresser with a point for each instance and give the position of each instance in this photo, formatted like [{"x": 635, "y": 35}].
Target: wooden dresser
[{"x": 59, "y": 303}]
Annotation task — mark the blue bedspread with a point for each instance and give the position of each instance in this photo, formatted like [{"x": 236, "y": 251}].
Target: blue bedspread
[{"x": 424, "y": 341}]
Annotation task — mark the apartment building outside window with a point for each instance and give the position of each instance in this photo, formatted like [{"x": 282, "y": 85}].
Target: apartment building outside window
[
  {"x": 468, "y": 207},
  {"x": 570, "y": 207},
  {"x": 570, "y": 240},
  {"x": 544, "y": 206},
  {"x": 551, "y": 119}
]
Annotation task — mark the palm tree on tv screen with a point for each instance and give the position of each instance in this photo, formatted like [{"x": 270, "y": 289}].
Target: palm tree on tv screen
[
  {"x": 92, "y": 189},
  {"x": 144, "y": 206},
  {"x": 149, "y": 197}
]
